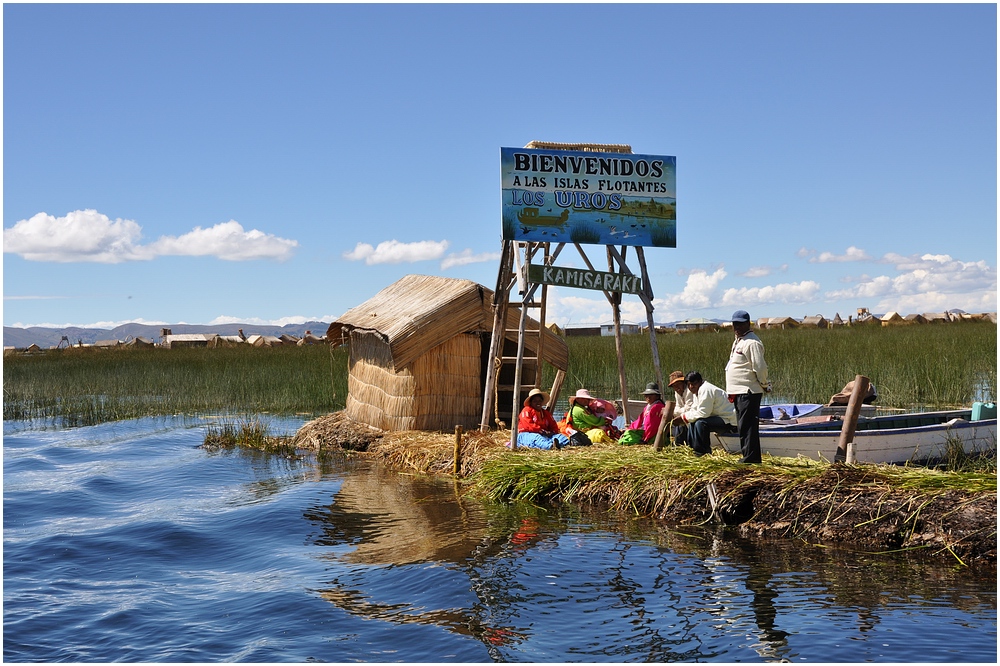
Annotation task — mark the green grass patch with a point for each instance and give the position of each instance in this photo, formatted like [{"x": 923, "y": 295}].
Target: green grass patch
[
  {"x": 247, "y": 433},
  {"x": 641, "y": 478}
]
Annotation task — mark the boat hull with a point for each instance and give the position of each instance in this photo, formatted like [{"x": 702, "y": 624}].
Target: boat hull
[{"x": 874, "y": 444}]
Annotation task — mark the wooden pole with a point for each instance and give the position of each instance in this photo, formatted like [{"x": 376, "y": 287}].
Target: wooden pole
[
  {"x": 500, "y": 300},
  {"x": 861, "y": 384},
  {"x": 557, "y": 383},
  {"x": 648, "y": 302},
  {"x": 516, "y": 407},
  {"x": 616, "y": 312},
  {"x": 458, "y": 450},
  {"x": 666, "y": 416}
]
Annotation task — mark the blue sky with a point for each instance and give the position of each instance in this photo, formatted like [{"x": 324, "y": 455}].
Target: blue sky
[{"x": 271, "y": 163}]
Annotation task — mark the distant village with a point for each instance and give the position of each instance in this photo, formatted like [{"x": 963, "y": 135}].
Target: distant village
[
  {"x": 168, "y": 340},
  {"x": 863, "y": 317}
]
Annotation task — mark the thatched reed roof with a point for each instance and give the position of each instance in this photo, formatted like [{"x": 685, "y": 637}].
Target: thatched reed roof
[{"x": 418, "y": 312}]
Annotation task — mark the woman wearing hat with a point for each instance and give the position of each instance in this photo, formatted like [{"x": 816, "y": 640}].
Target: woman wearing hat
[
  {"x": 584, "y": 417},
  {"x": 535, "y": 426},
  {"x": 646, "y": 424}
]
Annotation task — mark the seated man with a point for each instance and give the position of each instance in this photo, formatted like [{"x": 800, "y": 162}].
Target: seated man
[
  {"x": 710, "y": 411},
  {"x": 682, "y": 400}
]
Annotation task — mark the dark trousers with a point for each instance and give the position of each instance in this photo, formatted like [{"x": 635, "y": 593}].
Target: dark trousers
[
  {"x": 699, "y": 433},
  {"x": 680, "y": 433},
  {"x": 747, "y": 415}
]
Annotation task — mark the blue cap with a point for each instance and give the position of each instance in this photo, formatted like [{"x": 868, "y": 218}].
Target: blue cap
[{"x": 741, "y": 316}]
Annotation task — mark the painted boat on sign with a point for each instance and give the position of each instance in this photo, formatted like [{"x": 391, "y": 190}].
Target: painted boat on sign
[
  {"x": 531, "y": 217},
  {"x": 895, "y": 439}
]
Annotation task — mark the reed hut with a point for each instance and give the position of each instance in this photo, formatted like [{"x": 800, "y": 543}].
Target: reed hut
[
  {"x": 419, "y": 353},
  {"x": 697, "y": 324},
  {"x": 782, "y": 322},
  {"x": 182, "y": 340},
  {"x": 816, "y": 321},
  {"x": 892, "y": 319}
]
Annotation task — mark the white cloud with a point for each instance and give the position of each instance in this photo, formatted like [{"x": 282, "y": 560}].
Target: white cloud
[
  {"x": 467, "y": 257},
  {"x": 394, "y": 252},
  {"x": 257, "y": 321},
  {"x": 792, "y": 292},
  {"x": 699, "y": 291},
  {"x": 927, "y": 283},
  {"x": 83, "y": 235},
  {"x": 218, "y": 321},
  {"x": 762, "y": 271},
  {"x": 89, "y": 236},
  {"x": 579, "y": 309},
  {"x": 852, "y": 254},
  {"x": 32, "y": 298},
  {"x": 96, "y": 324},
  {"x": 227, "y": 241}
]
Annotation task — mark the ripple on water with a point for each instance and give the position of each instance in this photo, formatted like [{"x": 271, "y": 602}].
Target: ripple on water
[{"x": 130, "y": 543}]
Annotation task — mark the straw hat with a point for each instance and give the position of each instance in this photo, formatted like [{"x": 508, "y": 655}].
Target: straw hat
[
  {"x": 534, "y": 392},
  {"x": 675, "y": 376},
  {"x": 582, "y": 394}
]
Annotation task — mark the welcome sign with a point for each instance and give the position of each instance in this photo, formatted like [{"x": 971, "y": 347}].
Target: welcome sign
[{"x": 567, "y": 196}]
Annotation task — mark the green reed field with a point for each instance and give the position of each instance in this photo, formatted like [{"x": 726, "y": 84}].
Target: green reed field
[
  {"x": 914, "y": 367},
  {"x": 85, "y": 386},
  {"x": 934, "y": 366},
  {"x": 930, "y": 366}
]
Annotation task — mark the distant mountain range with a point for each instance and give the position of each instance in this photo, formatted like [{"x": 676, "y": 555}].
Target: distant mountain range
[{"x": 50, "y": 337}]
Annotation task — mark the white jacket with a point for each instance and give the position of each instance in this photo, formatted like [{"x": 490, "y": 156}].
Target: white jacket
[
  {"x": 746, "y": 371},
  {"x": 710, "y": 400}
]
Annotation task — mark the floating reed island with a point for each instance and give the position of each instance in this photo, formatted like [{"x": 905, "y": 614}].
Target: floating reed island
[{"x": 862, "y": 507}]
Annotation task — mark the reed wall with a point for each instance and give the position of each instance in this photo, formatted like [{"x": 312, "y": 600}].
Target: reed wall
[{"x": 439, "y": 390}]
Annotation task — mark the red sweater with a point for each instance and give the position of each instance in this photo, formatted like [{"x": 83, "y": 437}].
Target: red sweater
[{"x": 535, "y": 420}]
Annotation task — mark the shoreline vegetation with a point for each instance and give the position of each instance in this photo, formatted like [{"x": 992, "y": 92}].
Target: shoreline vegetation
[
  {"x": 862, "y": 507},
  {"x": 866, "y": 508}
]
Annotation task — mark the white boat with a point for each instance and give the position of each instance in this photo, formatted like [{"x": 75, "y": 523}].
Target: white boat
[{"x": 893, "y": 439}]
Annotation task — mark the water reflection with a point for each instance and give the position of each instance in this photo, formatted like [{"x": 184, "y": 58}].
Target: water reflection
[{"x": 568, "y": 583}]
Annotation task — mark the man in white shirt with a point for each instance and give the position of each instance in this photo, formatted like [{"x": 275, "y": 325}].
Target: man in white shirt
[
  {"x": 682, "y": 400},
  {"x": 710, "y": 411},
  {"x": 746, "y": 383}
]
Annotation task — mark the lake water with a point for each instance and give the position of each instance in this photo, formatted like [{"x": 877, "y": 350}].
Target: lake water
[{"x": 128, "y": 542}]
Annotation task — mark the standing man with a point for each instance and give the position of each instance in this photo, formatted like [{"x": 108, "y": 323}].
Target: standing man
[{"x": 746, "y": 383}]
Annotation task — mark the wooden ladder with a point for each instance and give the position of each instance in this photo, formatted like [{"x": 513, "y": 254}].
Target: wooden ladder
[{"x": 511, "y": 374}]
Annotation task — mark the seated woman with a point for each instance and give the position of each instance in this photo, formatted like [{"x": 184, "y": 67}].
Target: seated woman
[
  {"x": 583, "y": 417},
  {"x": 643, "y": 429},
  {"x": 535, "y": 426}
]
